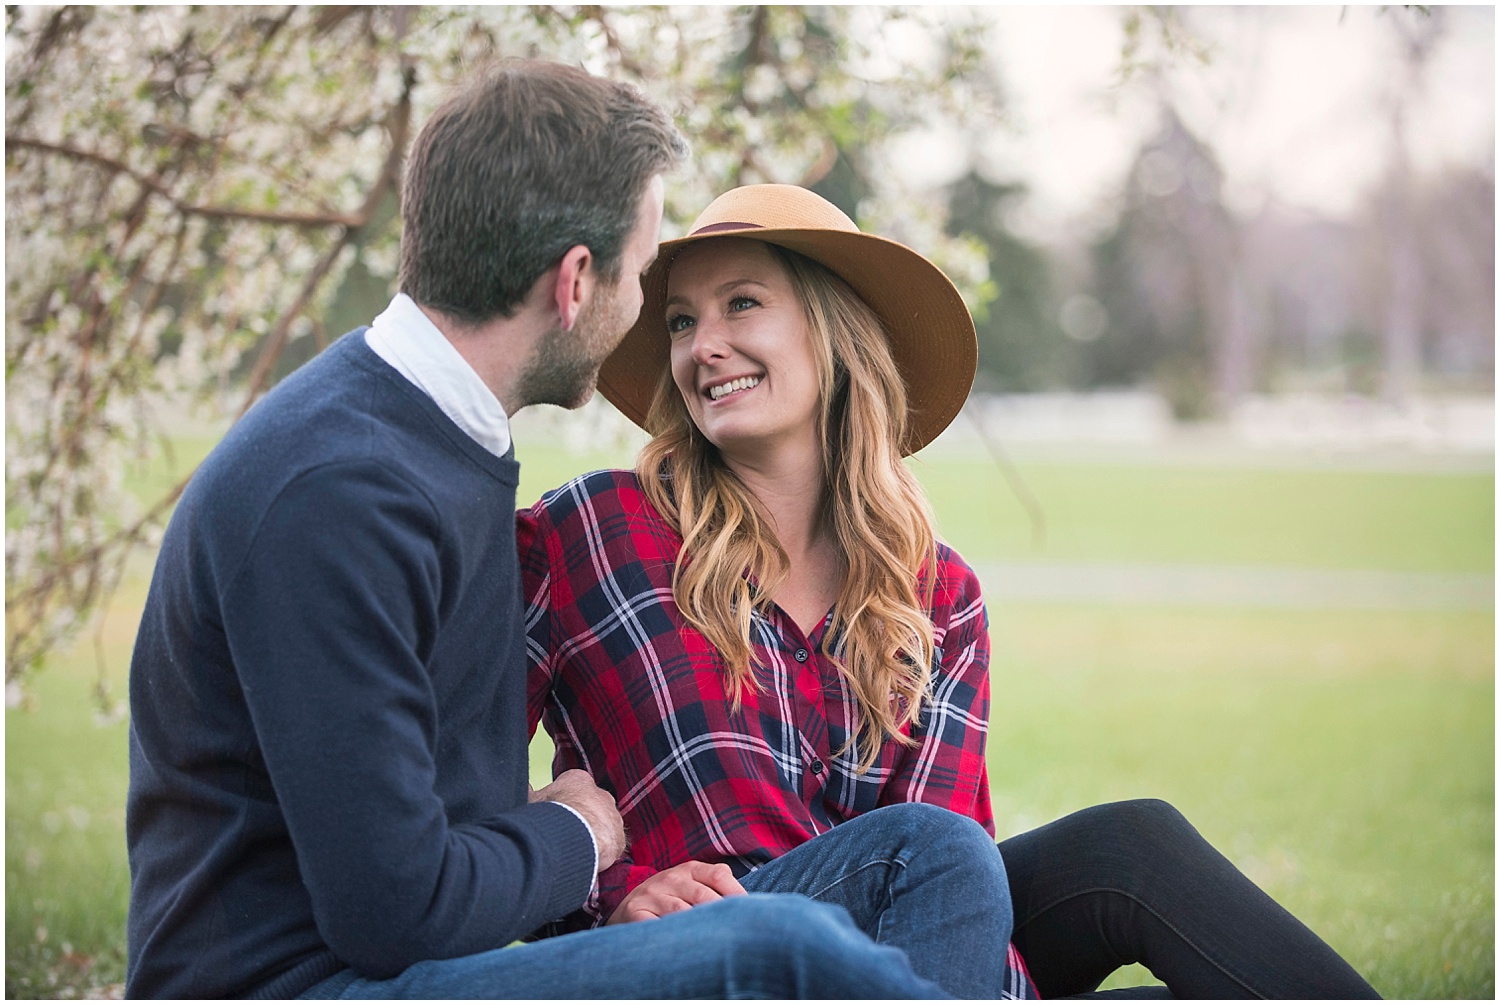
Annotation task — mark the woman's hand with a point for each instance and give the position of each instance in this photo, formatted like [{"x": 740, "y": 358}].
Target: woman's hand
[{"x": 677, "y": 889}]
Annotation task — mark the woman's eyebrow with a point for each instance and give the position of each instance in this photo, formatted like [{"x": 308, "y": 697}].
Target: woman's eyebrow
[
  {"x": 721, "y": 290},
  {"x": 726, "y": 287}
]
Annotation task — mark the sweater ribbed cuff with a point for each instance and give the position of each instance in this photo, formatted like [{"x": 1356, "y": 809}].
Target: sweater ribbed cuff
[
  {"x": 303, "y": 977},
  {"x": 593, "y": 842},
  {"x": 574, "y": 857}
]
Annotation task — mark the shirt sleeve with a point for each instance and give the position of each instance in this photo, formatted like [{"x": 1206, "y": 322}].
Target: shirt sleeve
[
  {"x": 329, "y": 618},
  {"x": 946, "y": 766},
  {"x": 533, "y": 547},
  {"x": 542, "y": 568}
]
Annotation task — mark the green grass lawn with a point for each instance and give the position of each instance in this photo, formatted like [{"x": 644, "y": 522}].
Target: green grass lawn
[
  {"x": 1220, "y": 516},
  {"x": 1343, "y": 759},
  {"x": 66, "y": 879},
  {"x": 1184, "y": 514}
]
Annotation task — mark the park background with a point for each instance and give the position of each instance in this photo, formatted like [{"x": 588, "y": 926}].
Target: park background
[{"x": 1227, "y": 474}]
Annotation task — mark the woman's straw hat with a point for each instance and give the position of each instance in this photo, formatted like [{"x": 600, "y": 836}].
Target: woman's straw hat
[{"x": 931, "y": 333}]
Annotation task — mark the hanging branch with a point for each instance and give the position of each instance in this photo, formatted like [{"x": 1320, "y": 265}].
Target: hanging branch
[
  {"x": 22, "y": 644},
  {"x": 157, "y": 187},
  {"x": 1012, "y": 476},
  {"x": 390, "y": 175}
]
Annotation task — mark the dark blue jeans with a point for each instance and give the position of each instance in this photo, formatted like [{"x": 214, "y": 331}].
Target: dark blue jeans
[
  {"x": 759, "y": 946},
  {"x": 905, "y": 901},
  {"x": 1134, "y": 882},
  {"x": 920, "y": 878}
]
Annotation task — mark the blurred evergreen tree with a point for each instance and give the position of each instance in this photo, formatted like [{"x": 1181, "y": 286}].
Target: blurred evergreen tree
[
  {"x": 844, "y": 185},
  {"x": 1168, "y": 278},
  {"x": 1021, "y": 344}
]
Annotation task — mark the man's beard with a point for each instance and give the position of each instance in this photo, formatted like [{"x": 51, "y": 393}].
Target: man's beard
[{"x": 565, "y": 366}]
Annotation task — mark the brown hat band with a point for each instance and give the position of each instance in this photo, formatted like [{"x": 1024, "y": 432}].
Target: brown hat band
[{"x": 714, "y": 228}]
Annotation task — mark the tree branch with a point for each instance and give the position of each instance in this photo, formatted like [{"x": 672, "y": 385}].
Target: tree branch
[
  {"x": 595, "y": 13},
  {"x": 260, "y": 376},
  {"x": 121, "y": 538},
  {"x": 155, "y": 186},
  {"x": 390, "y": 173}
]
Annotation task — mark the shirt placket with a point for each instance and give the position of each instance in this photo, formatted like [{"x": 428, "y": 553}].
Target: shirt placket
[{"x": 810, "y": 702}]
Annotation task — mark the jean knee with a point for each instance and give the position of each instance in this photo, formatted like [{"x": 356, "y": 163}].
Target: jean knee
[
  {"x": 923, "y": 823},
  {"x": 790, "y": 931},
  {"x": 749, "y": 946},
  {"x": 790, "y": 946},
  {"x": 782, "y": 918},
  {"x": 931, "y": 835}
]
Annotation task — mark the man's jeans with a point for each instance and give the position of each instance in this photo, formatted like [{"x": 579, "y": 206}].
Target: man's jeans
[
  {"x": 760, "y": 946},
  {"x": 920, "y": 878}
]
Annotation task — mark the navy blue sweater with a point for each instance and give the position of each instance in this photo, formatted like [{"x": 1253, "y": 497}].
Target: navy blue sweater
[{"x": 328, "y": 723}]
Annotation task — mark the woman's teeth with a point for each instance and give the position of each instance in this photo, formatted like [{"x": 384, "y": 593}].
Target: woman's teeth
[{"x": 739, "y": 384}]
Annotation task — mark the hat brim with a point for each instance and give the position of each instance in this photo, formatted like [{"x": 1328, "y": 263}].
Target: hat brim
[{"x": 930, "y": 331}]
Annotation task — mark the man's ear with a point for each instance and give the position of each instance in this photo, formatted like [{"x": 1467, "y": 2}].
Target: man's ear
[{"x": 575, "y": 284}]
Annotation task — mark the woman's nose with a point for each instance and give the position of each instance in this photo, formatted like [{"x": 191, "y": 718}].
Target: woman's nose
[{"x": 708, "y": 342}]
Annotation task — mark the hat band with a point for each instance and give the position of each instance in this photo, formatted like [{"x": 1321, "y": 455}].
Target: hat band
[{"x": 714, "y": 228}]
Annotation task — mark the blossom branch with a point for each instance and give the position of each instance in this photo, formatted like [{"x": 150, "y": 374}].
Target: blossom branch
[
  {"x": 157, "y": 187},
  {"x": 390, "y": 173}
]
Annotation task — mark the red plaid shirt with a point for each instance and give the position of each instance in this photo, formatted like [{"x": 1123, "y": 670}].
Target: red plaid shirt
[{"x": 636, "y": 697}]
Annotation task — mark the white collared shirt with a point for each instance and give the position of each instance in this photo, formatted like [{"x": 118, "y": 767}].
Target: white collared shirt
[{"x": 408, "y": 340}]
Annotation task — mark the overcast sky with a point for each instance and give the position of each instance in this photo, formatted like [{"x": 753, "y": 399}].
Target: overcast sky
[{"x": 1293, "y": 100}]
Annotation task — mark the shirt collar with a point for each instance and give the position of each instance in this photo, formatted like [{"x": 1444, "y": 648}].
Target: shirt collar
[{"x": 408, "y": 340}]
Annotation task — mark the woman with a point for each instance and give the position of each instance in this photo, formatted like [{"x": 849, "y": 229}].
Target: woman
[{"x": 755, "y": 641}]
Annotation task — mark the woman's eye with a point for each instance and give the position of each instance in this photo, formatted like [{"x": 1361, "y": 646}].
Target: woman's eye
[
  {"x": 742, "y": 303},
  {"x": 678, "y": 323}
]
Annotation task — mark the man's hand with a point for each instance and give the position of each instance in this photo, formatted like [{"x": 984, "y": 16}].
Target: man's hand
[
  {"x": 576, "y": 789},
  {"x": 677, "y": 889}
]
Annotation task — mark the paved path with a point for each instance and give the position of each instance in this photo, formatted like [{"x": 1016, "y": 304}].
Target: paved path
[{"x": 1235, "y": 586}]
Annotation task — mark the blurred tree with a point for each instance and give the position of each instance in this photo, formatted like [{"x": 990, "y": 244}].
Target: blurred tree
[
  {"x": 1029, "y": 336},
  {"x": 1021, "y": 343},
  {"x": 1170, "y": 282},
  {"x": 1403, "y": 287},
  {"x": 196, "y": 194},
  {"x": 1455, "y": 215},
  {"x": 1400, "y": 297}
]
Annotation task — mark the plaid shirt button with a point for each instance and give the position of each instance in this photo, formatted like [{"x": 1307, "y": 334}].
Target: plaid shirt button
[
  {"x": 800, "y": 655},
  {"x": 817, "y": 766}
]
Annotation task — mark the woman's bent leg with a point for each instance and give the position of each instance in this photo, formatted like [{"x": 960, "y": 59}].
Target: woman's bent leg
[
  {"x": 1134, "y": 882},
  {"x": 920, "y": 878}
]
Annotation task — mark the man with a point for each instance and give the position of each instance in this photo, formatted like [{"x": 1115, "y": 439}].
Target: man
[{"x": 328, "y": 741}]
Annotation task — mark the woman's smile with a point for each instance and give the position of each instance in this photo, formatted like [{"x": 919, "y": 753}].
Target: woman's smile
[{"x": 732, "y": 387}]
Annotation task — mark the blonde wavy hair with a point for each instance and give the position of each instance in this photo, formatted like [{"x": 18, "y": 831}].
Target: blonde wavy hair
[{"x": 878, "y": 514}]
